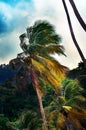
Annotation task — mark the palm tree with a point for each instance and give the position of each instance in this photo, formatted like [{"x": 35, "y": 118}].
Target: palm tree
[
  {"x": 43, "y": 41},
  {"x": 70, "y": 106},
  {"x": 65, "y": 110},
  {"x": 72, "y": 34},
  {"x": 78, "y": 15}
]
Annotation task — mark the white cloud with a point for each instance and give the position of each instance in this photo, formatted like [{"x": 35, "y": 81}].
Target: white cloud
[
  {"x": 6, "y": 9},
  {"x": 16, "y": 20},
  {"x": 57, "y": 16},
  {"x": 53, "y": 11}
]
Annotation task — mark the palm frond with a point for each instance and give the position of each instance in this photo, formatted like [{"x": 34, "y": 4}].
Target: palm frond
[
  {"x": 43, "y": 33},
  {"x": 30, "y": 120},
  {"x": 72, "y": 93},
  {"x": 52, "y": 48},
  {"x": 55, "y": 68},
  {"x": 49, "y": 70},
  {"x": 45, "y": 75},
  {"x": 71, "y": 88},
  {"x": 67, "y": 108},
  {"x": 60, "y": 121},
  {"x": 45, "y": 39},
  {"x": 77, "y": 115},
  {"x": 46, "y": 50}
]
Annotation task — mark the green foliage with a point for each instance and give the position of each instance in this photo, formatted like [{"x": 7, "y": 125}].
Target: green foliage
[
  {"x": 43, "y": 39},
  {"x": 14, "y": 125},
  {"x": 31, "y": 120},
  {"x": 42, "y": 33},
  {"x": 27, "y": 115},
  {"x": 13, "y": 102},
  {"x": 70, "y": 104},
  {"x": 60, "y": 103},
  {"x": 70, "y": 94},
  {"x": 79, "y": 73},
  {"x": 3, "y": 122},
  {"x": 71, "y": 89}
]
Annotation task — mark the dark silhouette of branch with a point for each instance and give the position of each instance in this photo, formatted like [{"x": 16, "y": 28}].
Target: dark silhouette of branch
[
  {"x": 72, "y": 33},
  {"x": 81, "y": 21}
]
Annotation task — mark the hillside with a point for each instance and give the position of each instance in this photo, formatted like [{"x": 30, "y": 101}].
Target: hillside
[
  {"x": 17, "y": 95},
  {"x": 6, "y": 72}
]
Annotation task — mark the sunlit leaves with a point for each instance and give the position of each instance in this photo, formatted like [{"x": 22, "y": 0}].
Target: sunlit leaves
[
  {"x": 49, "y": 70},
  {"x": 43, "y": 41}
]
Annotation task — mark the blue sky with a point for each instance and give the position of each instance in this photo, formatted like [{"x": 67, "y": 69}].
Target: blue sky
[{"x": 17, "y": 15}]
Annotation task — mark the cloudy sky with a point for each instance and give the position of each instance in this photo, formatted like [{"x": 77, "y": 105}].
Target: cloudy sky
[{"x": 17, "y": 15}]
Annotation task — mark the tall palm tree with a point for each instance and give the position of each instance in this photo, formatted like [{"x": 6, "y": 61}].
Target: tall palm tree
[
  {"x": 73, "y": 35},
  {"x": 77, "y": 14},
  {"x": 65, "y": 111},
  {"x": 43, "y": 41},
  {"x": 69, "y": 107}
]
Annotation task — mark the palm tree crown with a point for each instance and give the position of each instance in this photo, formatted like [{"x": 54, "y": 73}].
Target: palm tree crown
[
  {"x": 69, "y": 106},
  {"x": 44, "y": 41}
]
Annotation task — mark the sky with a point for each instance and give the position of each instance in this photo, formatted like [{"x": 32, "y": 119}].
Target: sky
[{"x": 17, "y": 15}]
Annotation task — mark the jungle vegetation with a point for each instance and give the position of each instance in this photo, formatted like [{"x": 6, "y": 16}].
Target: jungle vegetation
[{"x": 43, "y": 94}]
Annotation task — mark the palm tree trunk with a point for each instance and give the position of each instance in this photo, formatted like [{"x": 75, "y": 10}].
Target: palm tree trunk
[
  {"x": 72, "y": 34},
  {"x": 68, "y": 125},
  {"x": 78, "y": 15},
  {"x": 36, "y": 85}
]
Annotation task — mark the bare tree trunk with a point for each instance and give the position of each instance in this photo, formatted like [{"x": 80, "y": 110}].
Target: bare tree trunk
[
  {"x": 36, "y": 85},
  {"x": 72, "y": 34},
  {"x": 78, "y": 15}
]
